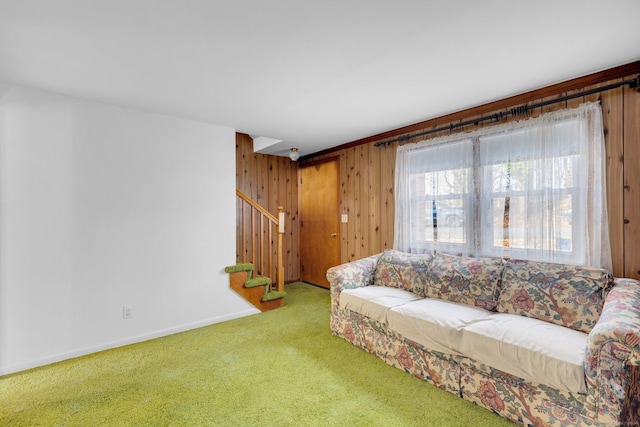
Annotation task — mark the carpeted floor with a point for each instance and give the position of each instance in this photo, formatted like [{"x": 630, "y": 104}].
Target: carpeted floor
[{"x": 280, "y": 368}]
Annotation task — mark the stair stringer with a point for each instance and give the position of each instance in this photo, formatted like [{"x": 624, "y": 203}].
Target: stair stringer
[{"x": 253, "y": 295}]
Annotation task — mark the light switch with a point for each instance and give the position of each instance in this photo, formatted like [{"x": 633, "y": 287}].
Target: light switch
[{"x": 345, "y": 218}]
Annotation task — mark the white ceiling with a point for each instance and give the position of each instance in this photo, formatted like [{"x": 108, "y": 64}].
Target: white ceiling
[{"x": 314, "y": 74}]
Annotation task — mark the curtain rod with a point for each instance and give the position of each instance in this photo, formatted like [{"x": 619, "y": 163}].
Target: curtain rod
[{"x": 516, "y": 111}]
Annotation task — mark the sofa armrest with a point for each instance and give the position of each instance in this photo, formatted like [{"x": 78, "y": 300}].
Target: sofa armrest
[
  {"x": 618, "y": 328},
  {"x": 351, "y": 275},
  {"x": 613, "y": 353}
]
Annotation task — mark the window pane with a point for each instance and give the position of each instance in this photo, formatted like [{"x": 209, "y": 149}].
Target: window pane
[
  {"x": 444, "y": 206},
  {"x": 531, "y": 204}
]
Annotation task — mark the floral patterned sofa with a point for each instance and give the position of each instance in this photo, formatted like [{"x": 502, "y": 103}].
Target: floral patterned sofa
[{"x": 537, "y": 343}]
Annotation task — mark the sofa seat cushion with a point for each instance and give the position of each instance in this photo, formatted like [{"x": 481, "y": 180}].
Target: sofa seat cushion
[
  {"x": 563, "y": 294},
  {"x": 435, "y": 324},
  {"x": 375, "y": 301},
  {"x": 531, "y": 349},
  {"x": 403, "y": 270}
]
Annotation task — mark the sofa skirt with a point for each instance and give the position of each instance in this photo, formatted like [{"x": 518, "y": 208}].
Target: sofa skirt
[{"x": 522, "y": 402}]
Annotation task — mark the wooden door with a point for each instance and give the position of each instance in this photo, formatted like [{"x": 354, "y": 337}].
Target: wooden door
[{"x": 319, "y": 220}]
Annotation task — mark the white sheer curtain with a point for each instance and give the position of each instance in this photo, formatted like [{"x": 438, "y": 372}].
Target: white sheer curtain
[
  {"x": 533, "y": 189},
  {"x": 434, "y": 178}
]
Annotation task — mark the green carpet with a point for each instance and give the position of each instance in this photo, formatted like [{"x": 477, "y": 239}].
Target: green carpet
[{"x": 280, "y": 368}]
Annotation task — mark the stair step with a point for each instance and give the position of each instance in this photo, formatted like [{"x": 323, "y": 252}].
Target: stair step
[
  {"x": 273, "y": 295},
  {"x": 257, "y": 281},
  {"x": 241, "y": 266}
]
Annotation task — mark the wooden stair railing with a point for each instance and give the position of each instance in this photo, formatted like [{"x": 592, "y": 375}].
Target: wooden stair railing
[{"x": 255, "y": 243}]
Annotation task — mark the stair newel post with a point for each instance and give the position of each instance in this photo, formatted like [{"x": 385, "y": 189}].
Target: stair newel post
[{"x": 280, "y": 267}]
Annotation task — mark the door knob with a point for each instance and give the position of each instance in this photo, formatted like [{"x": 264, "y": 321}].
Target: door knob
[{"x": 334, "y": 234}]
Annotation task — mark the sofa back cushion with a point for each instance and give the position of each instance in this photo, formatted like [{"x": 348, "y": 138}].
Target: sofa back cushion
[
  {"x": 563, "y": 294},
  {"x": 402, "y": 270},
  {"x": 471, "y": 281}
]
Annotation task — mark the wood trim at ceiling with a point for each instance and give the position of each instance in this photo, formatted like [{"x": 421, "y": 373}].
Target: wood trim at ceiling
[
  {"x": 536, "y": 94},
  {"x": 312, "y": 162}
]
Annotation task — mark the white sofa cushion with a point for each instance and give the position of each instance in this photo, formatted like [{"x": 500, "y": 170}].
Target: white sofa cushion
[
  {"x": 375, "y": 301},
  {"x": 532, "y": 349},
  {"x": 435, "y": 324},
  {"x": 528, "y": 348}
]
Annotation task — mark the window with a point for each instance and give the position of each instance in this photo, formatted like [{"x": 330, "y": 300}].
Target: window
[{"x": 529, "y": 190}]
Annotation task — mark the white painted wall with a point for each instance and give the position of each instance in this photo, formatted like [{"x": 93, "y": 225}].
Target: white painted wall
[{"x": 101, "y": 207}]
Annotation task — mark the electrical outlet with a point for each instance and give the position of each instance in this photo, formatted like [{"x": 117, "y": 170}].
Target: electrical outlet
[{"x": 127, "y": 312}]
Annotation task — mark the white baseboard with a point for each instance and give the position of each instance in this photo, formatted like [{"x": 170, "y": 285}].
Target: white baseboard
[{"x": 119, "y": 343}]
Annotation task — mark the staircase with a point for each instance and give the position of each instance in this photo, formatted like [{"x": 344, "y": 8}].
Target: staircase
[
  {"x": 258, "y": 275},
  {"x": 258, "y": 290}
]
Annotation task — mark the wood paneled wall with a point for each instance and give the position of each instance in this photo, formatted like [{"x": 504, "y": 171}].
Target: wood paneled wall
[
  {"x": 271, "y": 181},
  {"x": 367, "y": 197},
  {"x": 367, "y": 172}
]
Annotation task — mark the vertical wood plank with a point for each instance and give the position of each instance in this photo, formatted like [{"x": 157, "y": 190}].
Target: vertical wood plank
[
  {"x": 357, "y": 207},
  {"x": 294, "y": 224},
  {"x": 288, "y": 236},
  {"x": 363, "y": 202},
  {"x": 278, "y": 200},
  {"x": 388, "y": 165},
  {"x": 344, "y": 209},
  {"x": 374, "y": 195},
  {"x": 273, "y": 173},
  {"x": 631, "y": 182},
  {"x": 274, "y": 196},
  {"x": 252, "y": 182},
  {"x": 612, "y": 106},
  {"x": 350, "y": 158}
]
